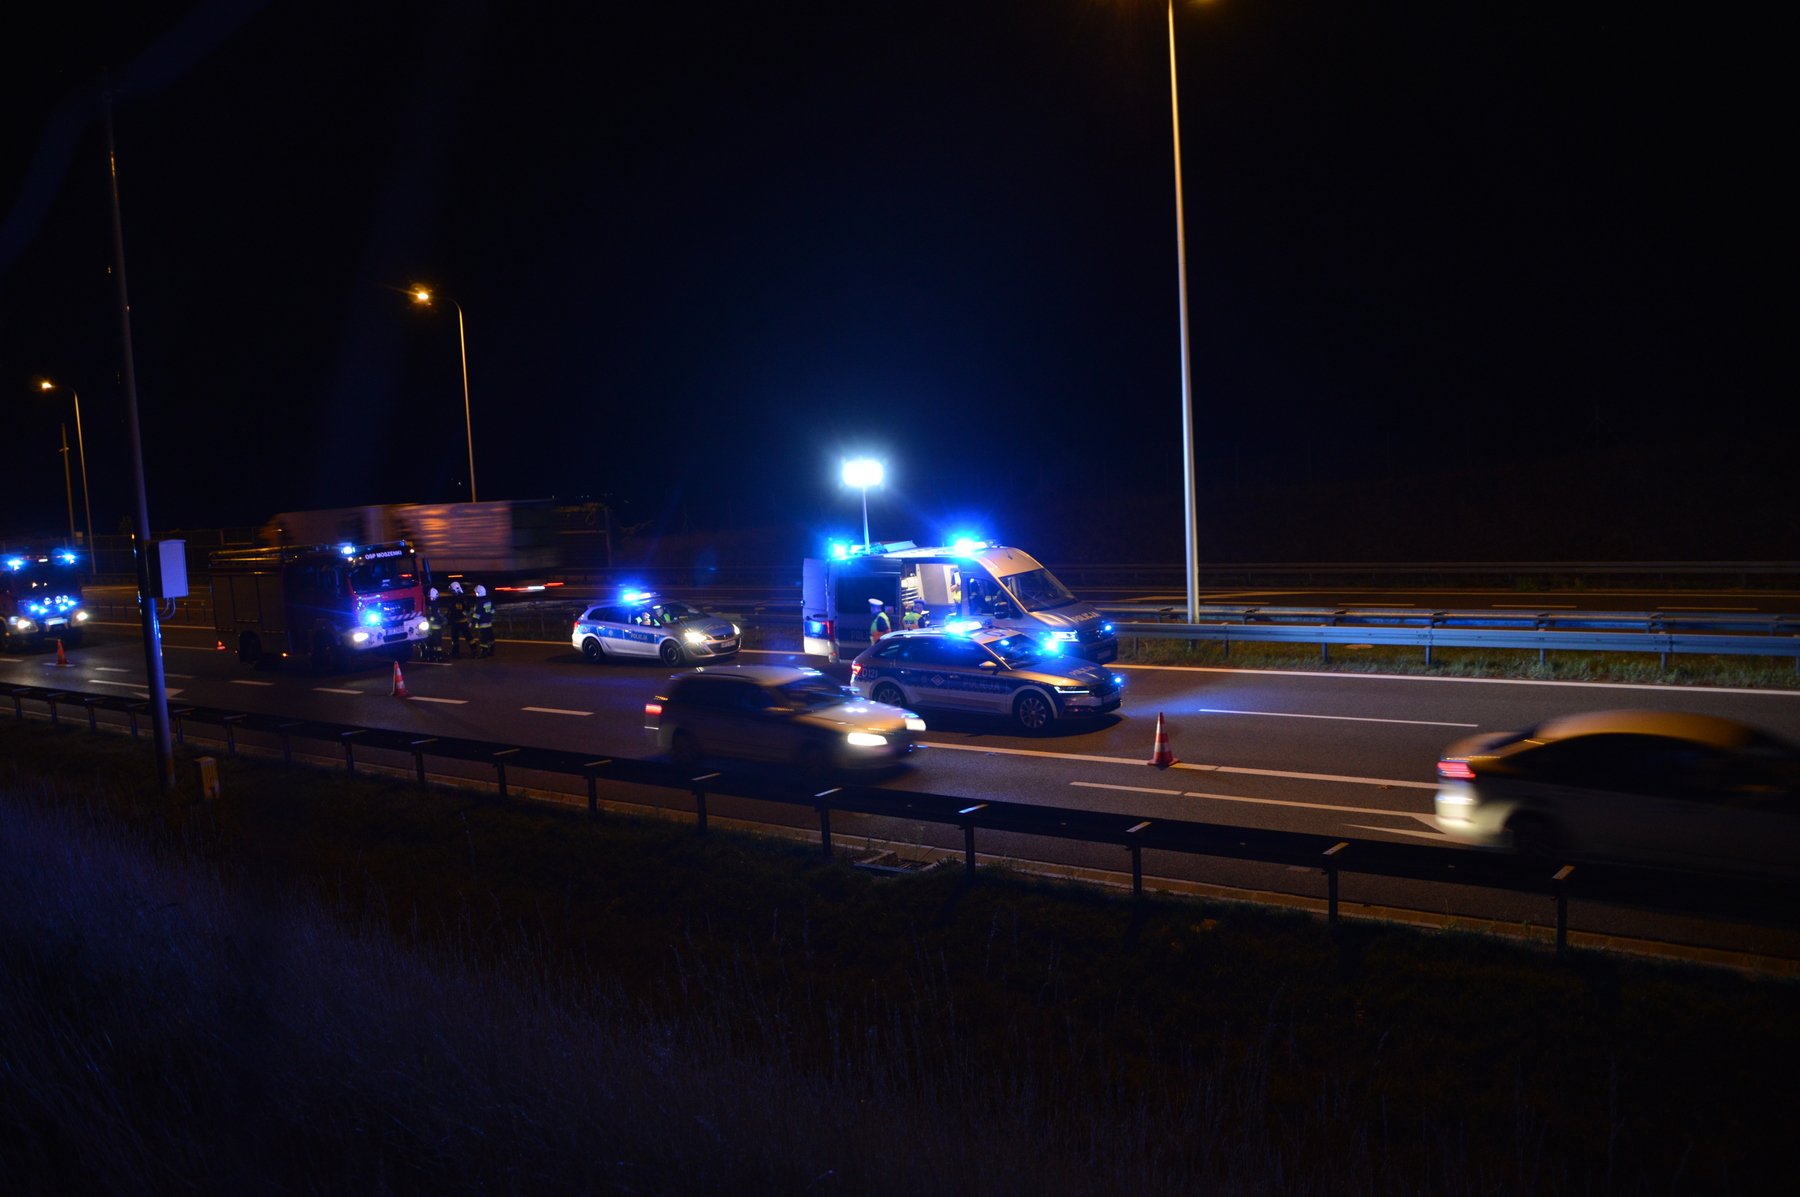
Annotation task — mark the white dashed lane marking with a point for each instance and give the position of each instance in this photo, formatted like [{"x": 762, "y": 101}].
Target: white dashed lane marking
[
  {"x": 1345, "y": 718},
  {"x": 1140, "y": 763},
  {"x": 333, "y": 690},
  {"x": 244, "y": 681},
  {"x": 554, "y": 711},
  {"x": 1351, "y": 810},
  {"x": 453, "y": 701}
]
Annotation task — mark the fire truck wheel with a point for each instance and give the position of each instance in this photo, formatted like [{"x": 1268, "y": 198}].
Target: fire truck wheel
[
  {"x": 593, "y": 651},
  {"x": 249, "y": 649},
  {"x": 671, "y": 654}
]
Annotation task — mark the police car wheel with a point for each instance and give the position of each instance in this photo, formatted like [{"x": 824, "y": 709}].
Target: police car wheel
[
  {"x": 593, "y": 651},
  {"x": 671, "y": 653},
  {"x": 889, "y": 694},
  {"x": 1033, "y": 712}
]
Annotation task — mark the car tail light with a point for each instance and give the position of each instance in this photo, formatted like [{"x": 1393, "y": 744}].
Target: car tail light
[
  {"x": 1455, "y": 771},
  {"x": 652, "y": 710},
  {"x": 855, "y": 671}
]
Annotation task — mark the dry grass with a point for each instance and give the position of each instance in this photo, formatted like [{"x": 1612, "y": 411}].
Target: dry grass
[{"x": 324, "y": 985}]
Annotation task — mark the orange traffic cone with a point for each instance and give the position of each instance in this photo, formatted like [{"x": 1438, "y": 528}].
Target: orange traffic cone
[
  {"x": 62, "y": 658},
  {"x": 220, "y": 647},
  {"x": 1161, "y": 757},
  {"x": 399, "y": 683}
]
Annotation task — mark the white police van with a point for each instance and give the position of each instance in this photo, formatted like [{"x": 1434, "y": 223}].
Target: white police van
[
  {"x": 641, "y": 626},
  {"x": 968, "y": 580}
]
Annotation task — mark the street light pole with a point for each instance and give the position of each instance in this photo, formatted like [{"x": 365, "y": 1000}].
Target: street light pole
[
  {"x": 87, "y": 505},
  {"x": 1189, "y": 482},
  {"x": 862, "y": 474},
  {"x": 424, "y": 296},
  {"x": 153, "y": 662},
  {"x": 68, "y": 487}
]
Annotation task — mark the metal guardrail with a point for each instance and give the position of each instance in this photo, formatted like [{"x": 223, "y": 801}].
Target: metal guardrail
[
  {"x": 1657, "y": 632},
  {"x": 1772, "y": 901}
]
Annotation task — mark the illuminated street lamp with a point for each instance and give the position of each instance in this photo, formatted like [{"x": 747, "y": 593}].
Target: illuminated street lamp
[
  {"x": 44, "y": 384},
  {"x": 423, "y": 297},
  {"x": 863, "y": 473}
]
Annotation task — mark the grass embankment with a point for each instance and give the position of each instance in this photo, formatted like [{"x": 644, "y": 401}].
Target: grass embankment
[
  {"x": 1683, "y": 670},
  {"x": 321, "y": 984}
]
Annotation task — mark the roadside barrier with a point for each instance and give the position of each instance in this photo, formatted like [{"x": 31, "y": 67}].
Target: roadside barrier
[{"x": 1772, "y": 901}]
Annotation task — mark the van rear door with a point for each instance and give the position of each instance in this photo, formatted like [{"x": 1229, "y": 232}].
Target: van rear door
[{"x": 818, "y": 622}]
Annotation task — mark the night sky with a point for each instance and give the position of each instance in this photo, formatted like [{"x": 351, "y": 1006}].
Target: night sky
[{"x": 1468, "y": 281}]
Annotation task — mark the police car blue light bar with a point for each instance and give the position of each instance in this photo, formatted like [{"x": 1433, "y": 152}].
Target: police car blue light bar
[
  {"x": 637, "y": 596},
  {"x": 967, "y": 544},
  {"x": 349, "y": 550}
]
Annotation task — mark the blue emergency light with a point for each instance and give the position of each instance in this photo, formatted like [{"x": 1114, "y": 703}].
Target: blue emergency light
[
  {"x": 372, "y": 616},
  {"x": 349, "y": 550},
  {"x": 964, "y": 545},
  {"x": 66, "y": 558},
  {"x": 637, "y": 596},
  {"x": 962, "y": 627},
  {"x": 15, "y": 563}
]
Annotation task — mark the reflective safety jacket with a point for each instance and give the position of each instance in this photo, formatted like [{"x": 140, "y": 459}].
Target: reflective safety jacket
[
  {"x": 483, "y": 613},
  {"x": 880, "y": 626}
]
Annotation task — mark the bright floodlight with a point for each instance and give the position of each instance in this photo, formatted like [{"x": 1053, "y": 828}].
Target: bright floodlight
[
  {"x": 45, "y": 385},
  {"x": 862, "y": 472}
]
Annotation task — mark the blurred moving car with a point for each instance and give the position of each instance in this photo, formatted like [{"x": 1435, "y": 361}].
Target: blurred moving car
[
  {"x": 997, "y": 671},
  {"x": 777, "y": 713},
  {"x": 643, "y": 626},
  {"x": 1650, "y": 786}
]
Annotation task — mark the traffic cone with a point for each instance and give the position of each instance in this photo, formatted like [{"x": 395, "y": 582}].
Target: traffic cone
[
  {"x": 220, "y": 647},
  {"x": 1161, "y": 757},
  {"x": 62, "y": 658},
  {"x": 399, "y": 683}
]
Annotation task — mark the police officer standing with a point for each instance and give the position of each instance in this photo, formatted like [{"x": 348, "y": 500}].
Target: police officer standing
[
  {"x": 881, "y": 624},
  {"x": 914, "y": 619},
  {"x": 482, "y": 616}
]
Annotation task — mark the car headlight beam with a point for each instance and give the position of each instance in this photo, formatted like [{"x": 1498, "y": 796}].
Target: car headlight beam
[{"x": 865, "y": 740}]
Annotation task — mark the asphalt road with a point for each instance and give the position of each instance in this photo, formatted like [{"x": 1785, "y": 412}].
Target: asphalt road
[{"x": 1345, "y": 754}]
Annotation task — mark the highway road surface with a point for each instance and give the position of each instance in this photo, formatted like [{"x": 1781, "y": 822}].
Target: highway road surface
[{"x": 1332, "y": 754}]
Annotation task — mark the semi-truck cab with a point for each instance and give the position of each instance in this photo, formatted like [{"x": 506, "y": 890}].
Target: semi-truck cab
[
  {"x": 40, "y": 600},
  {"x": 967, "y": 580},
  {"x": 329, "y": 604}
]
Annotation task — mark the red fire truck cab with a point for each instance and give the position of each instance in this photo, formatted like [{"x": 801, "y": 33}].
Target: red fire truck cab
[{"x": 331, "y": 604}]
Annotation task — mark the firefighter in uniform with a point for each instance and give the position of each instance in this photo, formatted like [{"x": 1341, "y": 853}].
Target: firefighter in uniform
[
  {"x": 881, "y": 623},
  {"x": 482, "y": 616},
  {"x": 459, "y": 621},
  {"x": 434, "y": 628}
]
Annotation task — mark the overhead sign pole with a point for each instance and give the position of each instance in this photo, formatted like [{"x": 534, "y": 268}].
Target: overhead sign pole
[{"x": 153, "y": 662}]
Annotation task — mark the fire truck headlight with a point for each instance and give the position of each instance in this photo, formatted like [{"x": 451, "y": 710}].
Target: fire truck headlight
[
  {"x": 81, "y": 616},
  {"x": 358, "y": 637},
  {"x": 24, "y": 625}
]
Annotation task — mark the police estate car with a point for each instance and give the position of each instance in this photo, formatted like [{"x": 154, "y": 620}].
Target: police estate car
[
  {"x": 642, "y": 626},
  {"x": 998, "y": 671}
]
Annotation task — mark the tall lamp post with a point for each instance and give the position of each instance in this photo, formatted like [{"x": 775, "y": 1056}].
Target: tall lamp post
[
  {"x": 863, "y": 473},
  {"x": 87, "y": 505},
  {"x": 153, "y": 662},
  {"x": 1189, "y": 483},
  {"x": 425, "y": 298}
]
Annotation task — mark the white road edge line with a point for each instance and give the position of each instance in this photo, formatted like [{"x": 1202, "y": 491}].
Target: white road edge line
[
  {"x": 554, "y": 711},
  {"x": 1429, "y": 820},
  {"x": 1425, "y": 835},
  {"x": 106, "y": 669},
  {"x": 100, "y": 681},
  {"x": 1120, "y": 760},
  {"x": 1345, "y": 718},
  {"x": 1100, "y": 785},
  {"x": 333, "y": 690},
  {"x": 452, "y": 701},
  {"x": 1493, "y": 681},
  {"x": 244, "y": 681}
]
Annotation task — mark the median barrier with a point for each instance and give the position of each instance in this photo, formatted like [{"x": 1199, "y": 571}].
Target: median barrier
[{"x": 1771, "y": 901}]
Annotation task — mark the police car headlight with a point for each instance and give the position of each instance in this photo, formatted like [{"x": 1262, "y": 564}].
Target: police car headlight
[
  {"x": 914, "y": 723},
  {"x": 358, "y": 637},
  {"x": 694, "y": 637},
  {"x": 865, "y": 740}
]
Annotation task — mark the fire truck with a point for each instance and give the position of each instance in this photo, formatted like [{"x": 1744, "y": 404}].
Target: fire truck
[
  {"x": 40, "y": 600},
  {"x": 333, "y": 605},
  {"x": 969, "y": 582}
]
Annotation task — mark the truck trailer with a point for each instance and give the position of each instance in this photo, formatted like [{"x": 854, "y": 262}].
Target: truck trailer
[
  {"x": 495, "y": 542},
  {"x": 330, "y": 605}
]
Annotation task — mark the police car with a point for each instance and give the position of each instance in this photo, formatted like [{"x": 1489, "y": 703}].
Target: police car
[
  {"x": 996, "y": 671},
  {"x": 643, "y": 627}
]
